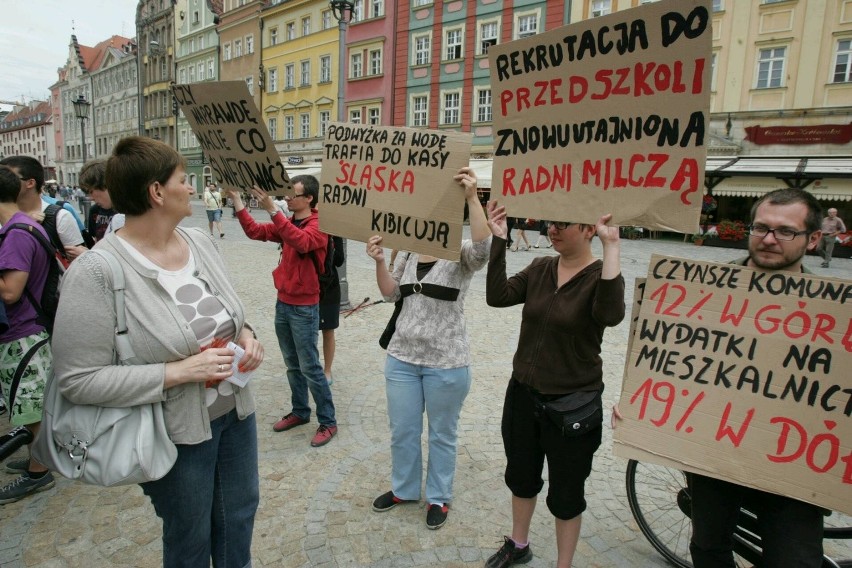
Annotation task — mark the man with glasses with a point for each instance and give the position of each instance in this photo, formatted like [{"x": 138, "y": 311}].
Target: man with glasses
[
  {"x": 303, "y": 248},
  {"x": 785, "y": 224}
]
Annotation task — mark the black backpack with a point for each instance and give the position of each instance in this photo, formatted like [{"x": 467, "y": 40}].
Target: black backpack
[
  {"x": 334, "y": 256},
  {"x": 49, "y": 224},
  {"x": 46, "y": 306}
]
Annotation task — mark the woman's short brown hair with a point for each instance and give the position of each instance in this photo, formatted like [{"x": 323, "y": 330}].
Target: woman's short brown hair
[{"x": 135, "y": 164}]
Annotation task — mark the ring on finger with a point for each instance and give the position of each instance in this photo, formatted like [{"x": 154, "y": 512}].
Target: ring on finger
[{"x": 221, "y": 368}]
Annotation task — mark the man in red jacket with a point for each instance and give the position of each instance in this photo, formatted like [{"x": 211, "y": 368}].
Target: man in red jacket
[{"x": 303, "y": 248}]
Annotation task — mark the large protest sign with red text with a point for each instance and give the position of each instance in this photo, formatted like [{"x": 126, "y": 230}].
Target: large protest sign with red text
[
  {"x": 397, "y": 183},
  {"x": 608, "y": 115},
  {"x": 743, "y": 375},
  {"x": 234, "y": 138}
]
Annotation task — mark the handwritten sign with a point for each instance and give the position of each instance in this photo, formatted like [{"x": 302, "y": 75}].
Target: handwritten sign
[
  {"x": 743, "y": 375},
  {"x": 608, "y": 115},
  {"x": 232, "y": 134},
  {"x": 397, "y": 183}
]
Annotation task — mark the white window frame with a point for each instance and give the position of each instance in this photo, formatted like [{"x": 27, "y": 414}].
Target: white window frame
[
  {"x": 211, "y": 69},
  {"x": 306, "y": 26},
  {"x": 454, "y": 109},
  {"x": 272, "y": 80},
  {"x": 249, "y": 44},
  {"x": 250, "y": 84},
  {"x": 289, "y": 127},
  {"x": 600, "y": 8},
  {"x": 842, "y": 61},
  {"x": 482, "y": 104},
  {"x": 226, "y": 52},
  {"x": 356, "y": 65},
  {"x": 324, "y": 120},
  {"x": 201, "y": 75},
  {"x": 455, "y": 50},
  {"x": 305, "y": 125},
  {"x": 272, "y": 125},
  {"x": 358, "y": 11},
  {"x": 481, "y": 45},
  {"x": 419, "y": 105},
  {"x": 421, "y": 54},
  {"x": 377, "y": 8},
  {"x": 273, "y": 36},
  {"x": 374, "y": 115},
  {"x": 327, "y": 19},
  {"x": 767, "y": 58},
  {"x": 714, "y": 60},
  {"x": 718, "y": 5},
  {"x": 355, "y": 115},
  {"x": 419, "y": 3},
  {"x": 289, "y": 76},
  {"x": 305, "y": 73},
  {"x": 528, "y": 21},
  {"x": 290, "y": 31},
  {"x": 325, "y": 69},
  {"x": 376, "y": 61},
  {"x": 238, "y": 48}
]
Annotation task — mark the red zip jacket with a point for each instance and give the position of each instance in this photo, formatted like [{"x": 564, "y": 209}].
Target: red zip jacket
[{"x": 295, "y": 277}]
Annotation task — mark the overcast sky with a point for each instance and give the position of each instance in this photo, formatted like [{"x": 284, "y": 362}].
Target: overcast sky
[{"x": 36, "y": 34}]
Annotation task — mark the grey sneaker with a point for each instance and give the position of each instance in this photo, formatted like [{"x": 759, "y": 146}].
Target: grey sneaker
[
  {"x": 18, "y": 466},
  {"x": 25, "y": 485}
]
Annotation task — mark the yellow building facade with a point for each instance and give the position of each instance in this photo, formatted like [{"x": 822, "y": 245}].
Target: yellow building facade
[{"x": 299, "y": 70}]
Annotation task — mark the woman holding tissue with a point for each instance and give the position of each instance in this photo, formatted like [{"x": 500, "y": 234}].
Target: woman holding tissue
[
  {"x": 182, "y": 312},
  {"x": 428, "y": 362}
]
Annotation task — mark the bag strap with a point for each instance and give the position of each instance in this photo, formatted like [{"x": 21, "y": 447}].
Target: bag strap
[
  {"x": 431, "y": 290},
  {"x": 122, "y": 342},
  {"x": 51, "y": 254}
]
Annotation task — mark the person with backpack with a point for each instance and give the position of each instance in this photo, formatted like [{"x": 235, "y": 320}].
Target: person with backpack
[
  {"x": 303, "y": 248},
  {"x": 329, "y": 301},
  {"x": 58, "y": 223},
  {"x": 25, "y": 355},
  {"x": 103, "y": 219}
]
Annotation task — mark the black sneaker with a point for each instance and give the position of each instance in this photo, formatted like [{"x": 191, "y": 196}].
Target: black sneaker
[
  {"x": 509, "y": 554},
  {"x": 436, "y": 516},
  {"x": 388, "y": 501},
  {"x": 23, "y": 486}
]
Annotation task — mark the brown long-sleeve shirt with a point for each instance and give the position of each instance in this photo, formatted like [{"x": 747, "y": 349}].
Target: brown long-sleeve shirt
[{"x": 561, "y": 328}]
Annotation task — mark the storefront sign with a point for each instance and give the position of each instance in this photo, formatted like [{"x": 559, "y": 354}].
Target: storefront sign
[{"x": 821, "y": 134}]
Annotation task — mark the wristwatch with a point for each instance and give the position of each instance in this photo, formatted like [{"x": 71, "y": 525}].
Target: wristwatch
[{"x": 273, "y": 213}]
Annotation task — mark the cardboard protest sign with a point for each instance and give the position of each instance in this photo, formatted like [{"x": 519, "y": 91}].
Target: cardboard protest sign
[
  {"x": 232, "y": 134},
  {"x": 397, "y": 183},
  {"x": 608, "y": 115},
  {"x": 743, "y": 375}
]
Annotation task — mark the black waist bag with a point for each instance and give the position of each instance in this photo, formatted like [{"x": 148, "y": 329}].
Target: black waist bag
[{"x": 575, "y": 414}]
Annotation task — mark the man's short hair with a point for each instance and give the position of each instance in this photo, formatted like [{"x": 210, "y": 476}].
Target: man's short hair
[
  {"x": 789, "y": 195},
  {"x": 93, "y": 175},
  {"x": 10, "y": 185},
  {"x": 311, "y": 186},
  {"x": 135, "y": 164},
  {"x": 28, "y": 168}
]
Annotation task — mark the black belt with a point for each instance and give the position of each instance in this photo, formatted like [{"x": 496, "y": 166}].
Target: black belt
[{"x": 430, "y": 290}]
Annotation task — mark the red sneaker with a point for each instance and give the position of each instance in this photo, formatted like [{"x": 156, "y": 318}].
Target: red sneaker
[
  {"x": 324, "y": 435},
  {"x": 289, "y": 421}
]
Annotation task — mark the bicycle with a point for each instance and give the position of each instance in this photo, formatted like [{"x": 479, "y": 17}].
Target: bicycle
[{"x": 660, "y": 501}]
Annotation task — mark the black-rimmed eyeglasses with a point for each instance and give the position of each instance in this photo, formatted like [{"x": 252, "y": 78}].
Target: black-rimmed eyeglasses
[
  {"x": 780, "y": 234},
  {"x": 560, "y": 225}
]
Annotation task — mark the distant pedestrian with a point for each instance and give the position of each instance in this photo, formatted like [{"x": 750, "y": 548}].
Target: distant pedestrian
[
  {"x": 428, "y": 362},
  {"x": 542, "y": 234},
  {"x": 329, "y": 306},
  {"x": 831, "y": 227},
  {"x": 213, "y": 203}
]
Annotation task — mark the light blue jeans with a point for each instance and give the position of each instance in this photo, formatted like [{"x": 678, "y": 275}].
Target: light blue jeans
[
  {"x": 297, "y": 330},
  {"x": 208, "y": 500},
  {"x": 411, "y": 389}
]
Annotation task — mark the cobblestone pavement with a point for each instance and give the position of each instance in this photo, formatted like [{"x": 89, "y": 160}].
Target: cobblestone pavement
[{"x": 315, "y": 503}]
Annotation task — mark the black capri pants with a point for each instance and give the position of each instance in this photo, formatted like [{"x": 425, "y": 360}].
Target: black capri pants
[{"x": 528, "y": 439}]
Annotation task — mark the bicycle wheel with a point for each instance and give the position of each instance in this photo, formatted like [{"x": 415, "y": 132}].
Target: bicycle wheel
[
  {"x": 838, "y": 538},
  {"x": 660, "y": 502}
]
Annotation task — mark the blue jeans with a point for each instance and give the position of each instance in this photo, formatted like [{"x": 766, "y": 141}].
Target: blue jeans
[
  {"x": 296, "y": 328},
  {"x": 441, "y": 392},
  {"x": 208, "y": 500}
]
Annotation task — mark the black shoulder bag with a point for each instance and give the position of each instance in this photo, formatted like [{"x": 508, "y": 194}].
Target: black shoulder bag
[{"x": 431, "y": 290}]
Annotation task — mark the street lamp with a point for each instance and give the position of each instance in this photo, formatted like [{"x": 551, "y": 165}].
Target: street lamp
[
  {"x": 81, "y": 110},
  {"x": 342, "y": 10}
]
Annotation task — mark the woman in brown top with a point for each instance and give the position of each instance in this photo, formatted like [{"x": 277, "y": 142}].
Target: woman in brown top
[{"x": 568, "y": 302}]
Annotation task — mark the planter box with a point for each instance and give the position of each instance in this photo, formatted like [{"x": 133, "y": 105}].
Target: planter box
[{"x": 717, "y": 242}]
